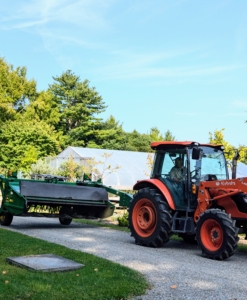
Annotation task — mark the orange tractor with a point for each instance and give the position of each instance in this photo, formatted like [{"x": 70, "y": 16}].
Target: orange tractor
[{"x": 202, "y": 206}]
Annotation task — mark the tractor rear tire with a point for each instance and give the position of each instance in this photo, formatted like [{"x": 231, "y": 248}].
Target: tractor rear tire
[
  {"x": 63, "y": 220},
  {"x": 216, "y": 234},
  {"x": 149, "y": 218},
  {"x": 6, "y": 219}
]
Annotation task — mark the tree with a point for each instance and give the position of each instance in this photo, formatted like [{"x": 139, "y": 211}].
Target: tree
[
  {"x": 41, "y": 167},
  {"x": 108, "y": 135},
  {"x": 43, "y": 108},
  {"x": 218, "y": 139},
  {"x": 71, "y": 170},
  {"x": 157, "y": 136},
  {"x": 243, "y": 153},
  {"x": 23, "y": 141},
  {"x": 136, "y": 141},
  {"x": 15, "y": 90},
  {"x": 168, "y": 136},
  {"x": 78, "y": 105}
]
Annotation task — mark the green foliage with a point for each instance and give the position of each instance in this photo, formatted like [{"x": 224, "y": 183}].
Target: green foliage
[
  {"x": 41, "y": 167},
  {"x": 108, "y": 135},
  {"x": 78, "y": 104},
  {"x": 135, "y": 141},
  {"x": 123, "y": 220},
  {"x": 15, "y": 90},
  {"x": 218, "y": 139},
  {"x": 43, "y": 108},
  {"x": 168, "y": 136},
  {"x": 23, "y": 142},
  {"x": 71, "y": 170},
  {"x": 4, "y": 172},
  {"x": 243, "y": 153},
  {"x": 157, "y": 136}
]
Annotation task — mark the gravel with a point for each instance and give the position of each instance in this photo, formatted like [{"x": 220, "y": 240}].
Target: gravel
[{"x": 175, "y": 271}]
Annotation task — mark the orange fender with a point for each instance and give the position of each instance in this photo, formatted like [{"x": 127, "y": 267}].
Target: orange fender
[{"x": 155, "y": 183}]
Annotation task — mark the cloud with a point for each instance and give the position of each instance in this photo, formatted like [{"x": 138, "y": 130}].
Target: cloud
[
  {"x": 135, "y": 57},
  {"x": 59, "y": 23},
  {"x": 143, "y": 67},
  {"x": 83, "y": 13},
  {"x": 149, "y": 11},
  {"x": 188, "y": 114},
  {"x": 52, "y": 39},
  {"x": 237, "y": 114},
  {"x": 240, "y": 104}
]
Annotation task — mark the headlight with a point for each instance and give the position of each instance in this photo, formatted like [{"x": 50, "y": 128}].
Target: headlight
[{"x": 245, "y": 198}]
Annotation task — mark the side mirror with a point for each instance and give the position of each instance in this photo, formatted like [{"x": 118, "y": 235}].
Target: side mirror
[{"x": 196, "y": 153}]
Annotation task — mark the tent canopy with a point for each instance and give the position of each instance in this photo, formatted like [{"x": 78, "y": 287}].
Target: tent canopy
[{"x": 119, "y": 169}]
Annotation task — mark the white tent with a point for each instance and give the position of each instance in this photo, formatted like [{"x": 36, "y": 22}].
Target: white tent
[
  {"x": 125, "y": 167},
  {"x": 241, "y": 170}
]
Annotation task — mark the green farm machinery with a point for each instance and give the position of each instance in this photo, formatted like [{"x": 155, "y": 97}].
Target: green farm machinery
[{"x": 51, "y": 196}]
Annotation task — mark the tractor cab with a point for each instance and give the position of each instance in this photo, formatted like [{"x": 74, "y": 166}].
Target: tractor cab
[{"x": 181, "y": 166}]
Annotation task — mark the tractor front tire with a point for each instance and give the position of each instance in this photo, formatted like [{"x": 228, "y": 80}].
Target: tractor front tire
[
  {"x": 6, "y": 219},
  {"x": 149, "y": 218},
  {"x": 216, "y": 234}
]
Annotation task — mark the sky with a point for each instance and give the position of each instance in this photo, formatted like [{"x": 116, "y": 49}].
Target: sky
[{"x": 177, "y": 65}]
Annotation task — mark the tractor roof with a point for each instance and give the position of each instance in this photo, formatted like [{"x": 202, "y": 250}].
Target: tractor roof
[{"x": 164, "y": 144}]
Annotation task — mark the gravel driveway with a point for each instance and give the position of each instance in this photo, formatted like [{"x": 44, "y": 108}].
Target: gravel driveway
[{"x": 176, "y": 271}]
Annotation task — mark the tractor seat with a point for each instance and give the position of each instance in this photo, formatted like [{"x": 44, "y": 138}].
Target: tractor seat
[{"x": 210, "y": 177}]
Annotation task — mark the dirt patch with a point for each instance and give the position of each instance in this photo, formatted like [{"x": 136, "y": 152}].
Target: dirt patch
[{"x": 242, "y": 240}]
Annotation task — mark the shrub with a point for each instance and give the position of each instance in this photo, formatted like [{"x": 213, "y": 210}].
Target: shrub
[{"x": 123, "y": 220}]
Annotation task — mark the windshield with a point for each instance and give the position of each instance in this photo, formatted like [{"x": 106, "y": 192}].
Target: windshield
[{"x": 211, "y": 162}]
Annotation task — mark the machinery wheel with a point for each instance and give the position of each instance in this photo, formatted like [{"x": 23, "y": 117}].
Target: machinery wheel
[
  {"x": 188, "y": 238},
  {"x": 6, "y": 219},
  {"x": 149, "y": 218},
  {"x": 216, "y": 234},
  {"x": 63, "y": 220}
]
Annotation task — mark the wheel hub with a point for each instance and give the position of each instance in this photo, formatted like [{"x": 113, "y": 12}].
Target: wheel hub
[
  {"x": 215, "y": 235},
  {"x": 146, "y": 217}
]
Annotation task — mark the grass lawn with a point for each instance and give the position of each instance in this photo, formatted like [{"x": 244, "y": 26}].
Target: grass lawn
[{"x": 99, "y": 279}]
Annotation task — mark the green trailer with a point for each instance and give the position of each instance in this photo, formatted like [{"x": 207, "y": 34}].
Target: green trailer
[{"x": 53, "y": 197}]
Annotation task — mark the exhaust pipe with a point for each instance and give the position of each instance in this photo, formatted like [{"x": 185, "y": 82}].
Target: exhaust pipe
[{"x": 234, "y": 164}]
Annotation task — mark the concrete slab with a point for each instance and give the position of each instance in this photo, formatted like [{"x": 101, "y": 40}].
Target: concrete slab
[{"x": 44, "y": 262}]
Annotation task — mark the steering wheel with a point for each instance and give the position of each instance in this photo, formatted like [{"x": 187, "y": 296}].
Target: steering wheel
[{"x": 194, "y": 171}]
